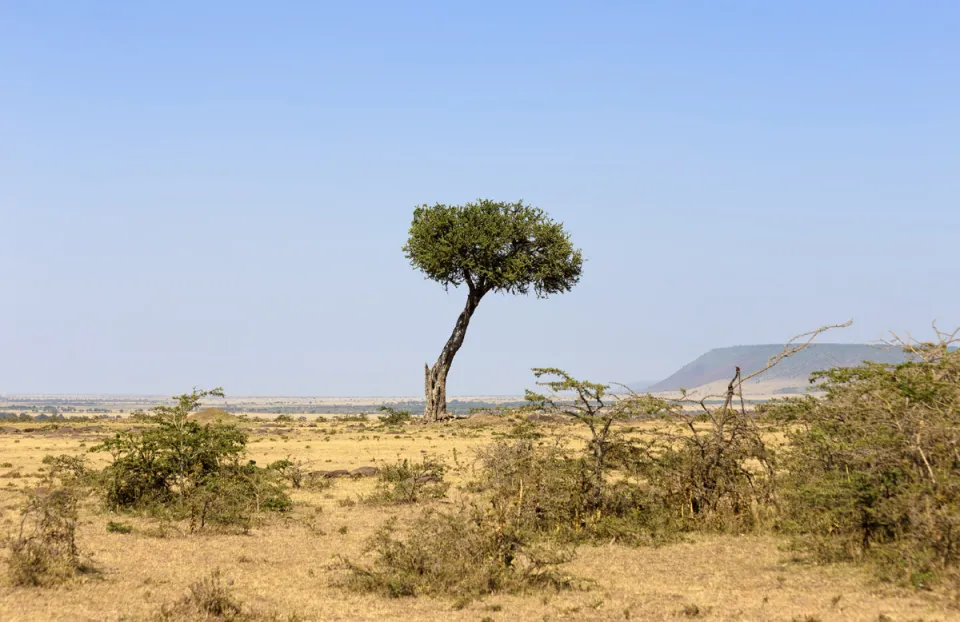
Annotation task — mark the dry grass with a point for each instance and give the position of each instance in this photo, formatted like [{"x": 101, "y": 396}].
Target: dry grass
[{"x": 289, "y": 566}]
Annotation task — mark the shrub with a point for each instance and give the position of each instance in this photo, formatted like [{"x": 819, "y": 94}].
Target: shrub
[
  {"x": 186, "y": 470},
  {"x": 115, "y": 527},
  {"x": 873, "y": 470},
  {"x": 234, "y": 497},
  {"x": 45, "y": 552},
  {"x": 550, "y": 492},
  {"x": 708, "y": 472},
  {"x": 394, "y": 417},
  {"x": 466, "y": 554},
  {"x": 410, "y": 482},
  {"x": 289, "y": 470},
  {"x": 587, "y": 406},
  {"x": 211, "y": 599}
]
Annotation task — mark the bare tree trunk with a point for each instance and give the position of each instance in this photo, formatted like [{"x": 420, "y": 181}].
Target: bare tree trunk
[{"x": 435, "y": 386}]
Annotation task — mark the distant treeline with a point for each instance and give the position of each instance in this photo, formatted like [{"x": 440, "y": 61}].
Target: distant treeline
[
  {"x": 26, "y": 416},
  {"x": 457, "y": 407}
]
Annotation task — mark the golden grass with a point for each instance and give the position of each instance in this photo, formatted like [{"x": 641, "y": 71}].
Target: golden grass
[{"x": 289, "y": 565}]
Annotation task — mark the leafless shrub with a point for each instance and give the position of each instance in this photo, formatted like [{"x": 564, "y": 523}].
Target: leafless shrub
[{"x": 44, "y": 552}]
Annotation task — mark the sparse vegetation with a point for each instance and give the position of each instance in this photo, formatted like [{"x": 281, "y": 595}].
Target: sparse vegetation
[
  {"x": 211, "y": 599},
  {"x": 863, "y": 474},
  {"x": 393, "y": 417},
  {"x": 407, "y": 481},
  {"x": 115, "y": 527},
  {"x": 44, "y": 553},
  {"x": 466, "y": 554}
]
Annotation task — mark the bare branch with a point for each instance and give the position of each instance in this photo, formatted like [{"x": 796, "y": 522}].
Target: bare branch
[{"x": 792, "y": 347}]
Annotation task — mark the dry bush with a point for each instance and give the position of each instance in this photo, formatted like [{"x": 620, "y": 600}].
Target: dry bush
[
  {"x": 466, "y": 554},
  {"x": 45, "y": 552},
  {"x": 711, "y": 472},
  {"x": 681, "y": 476},
  {"x": 873, "y": 468},
  {"x": 551, "y": 493},
  {"x": 410, "y": 482},
  {"x": 211, "y": 599}
]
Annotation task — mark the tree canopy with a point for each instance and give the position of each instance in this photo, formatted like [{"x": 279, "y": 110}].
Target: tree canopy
[{"x": 493, "y": 246}]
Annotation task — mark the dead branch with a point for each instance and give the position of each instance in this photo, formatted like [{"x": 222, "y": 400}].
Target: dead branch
[{"x": 792, "y": 347}]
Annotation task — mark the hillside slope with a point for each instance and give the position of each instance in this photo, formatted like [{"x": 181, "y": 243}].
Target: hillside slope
[{"x": 719, "y": 364}]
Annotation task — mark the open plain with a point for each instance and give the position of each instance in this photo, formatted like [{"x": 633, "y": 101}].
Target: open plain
[{"x": 289, "y": 565}]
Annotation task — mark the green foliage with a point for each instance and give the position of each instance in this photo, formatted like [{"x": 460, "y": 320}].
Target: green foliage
[
  {"x": 350, "y": 419},
  {"x": 186, "y": 470},
  {"x": 289, "y": 470},
  {"x": 410, "y": 482},
  {"x": 713, "y": 472},
  {"x": 394, "y": 416},
  {"x": 233, "y": 497},
  {"x": 873, "y": 469},
  {"x": 122, "y": 528},
  {"x": 466, "y": 554},
  {"x": 493, "y": 246},
  {"x": 590, "y": 404}
]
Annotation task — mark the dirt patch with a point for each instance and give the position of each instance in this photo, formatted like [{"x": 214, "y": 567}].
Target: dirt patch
[{"x": 213, "y": 415}]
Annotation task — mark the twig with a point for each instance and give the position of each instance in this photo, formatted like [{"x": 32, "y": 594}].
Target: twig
[{"x": 792, "y": 348}]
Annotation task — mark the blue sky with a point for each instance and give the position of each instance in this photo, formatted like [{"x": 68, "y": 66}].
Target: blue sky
[{"x": 216, "y": 193}]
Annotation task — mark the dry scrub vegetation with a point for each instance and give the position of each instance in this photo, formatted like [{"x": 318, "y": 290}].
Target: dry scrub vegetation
[{"x": 588, "y": 505}]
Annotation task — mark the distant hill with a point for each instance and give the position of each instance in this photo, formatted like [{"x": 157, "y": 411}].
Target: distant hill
[{"x": 719, "y": 364}]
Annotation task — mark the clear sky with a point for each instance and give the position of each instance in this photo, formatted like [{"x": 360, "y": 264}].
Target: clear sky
[{"x": 216, "y": 193}]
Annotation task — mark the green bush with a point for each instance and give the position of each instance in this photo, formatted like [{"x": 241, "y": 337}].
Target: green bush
[
  {"x": 234, "y": 496},
  {"x": 873, "y": 470},
  {"x": 115, "y": 527},
  {"x": 289, "y": 471},
  {"x": 185, "y": 470},
  {"x": 394, "y": 417}
]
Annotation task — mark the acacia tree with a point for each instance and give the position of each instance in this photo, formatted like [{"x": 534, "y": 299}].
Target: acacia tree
[{"x": 489, "y": 246}]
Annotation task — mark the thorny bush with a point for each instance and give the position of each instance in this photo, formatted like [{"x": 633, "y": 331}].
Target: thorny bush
[
  {"x": 873, "y": 468},
  {"x": 407, "y": 481},
  {"x": 465, "y": 554},
  {"x": 44, "y": 552}
]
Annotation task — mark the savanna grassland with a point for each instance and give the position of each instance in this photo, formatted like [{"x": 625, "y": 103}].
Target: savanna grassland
[{"x": 291, "y": 565}]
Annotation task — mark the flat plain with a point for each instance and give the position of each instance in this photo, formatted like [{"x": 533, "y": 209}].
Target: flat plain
[{"x": 288, "y": 565}]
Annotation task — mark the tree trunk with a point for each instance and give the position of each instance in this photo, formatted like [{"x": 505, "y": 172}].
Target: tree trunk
[{"x": 436, "y": 377}]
